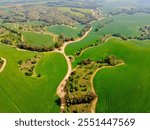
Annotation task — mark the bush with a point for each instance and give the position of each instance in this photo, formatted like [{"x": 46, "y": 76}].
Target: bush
[
  {"x": 28, "y": 73},
  {"x": 39, "y": 75}
]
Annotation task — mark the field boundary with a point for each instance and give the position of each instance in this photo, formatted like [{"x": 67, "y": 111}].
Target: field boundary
[
  {"x": 4, "y": 64},
  {"x": 60, "y": 89},
  {"x": 94, "y": 102}
]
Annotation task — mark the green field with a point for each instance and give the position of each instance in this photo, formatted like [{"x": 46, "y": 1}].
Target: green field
[
  {"x": 124, "y": 88},
  {"x": 29, "y": 81},
  {"x": 38, "y": 39},
  {"x": 66, "y": 30},
  {"x": 19, "y": 93},
  {"x": 124, "y": 24},
  {"x": 127, "y": 25}
]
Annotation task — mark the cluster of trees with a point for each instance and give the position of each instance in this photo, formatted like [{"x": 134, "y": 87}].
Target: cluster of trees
[
  {"x": 84, "y": 30},
  {"x": 102, "y": 24},
  {"x": 11, "y": 17},
  {"x": 9, "y": 36},
  {"x": 88, "y": 17},
  {"x": 111, "y": 60},
  {"x": 131, "y": 11},
  {"x": 36, "y": 28},
  {"x": 108, "y": 60},
  {"x": 51, "y": 15},
  {"x": 85, "y": 62},
  {"x": 63, "y": 38},
  {"x": 85, "y": 98},
  {"x": 35, "y": 47},
  {"x": 121, "y": 36},
  {"x": 28, "y": 66},
  {"x": 36, "y": 12},
  {"x": 144, "y": 36},
  {"x": 145, "y": 32},
  {"x": 78, "y": 87}
]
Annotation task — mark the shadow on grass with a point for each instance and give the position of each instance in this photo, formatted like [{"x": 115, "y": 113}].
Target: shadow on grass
[{"x": 58, "y": 102}]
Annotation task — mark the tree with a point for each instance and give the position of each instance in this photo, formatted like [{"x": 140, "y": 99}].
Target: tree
[
  {"x": 111, "y": 60},
  {"x": 96, "y": 29}
]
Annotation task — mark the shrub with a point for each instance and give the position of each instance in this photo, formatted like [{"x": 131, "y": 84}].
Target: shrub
[{"x": 28, "y": 73}]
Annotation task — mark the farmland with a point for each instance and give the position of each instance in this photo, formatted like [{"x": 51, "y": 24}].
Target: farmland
[
  {"x": 63, "y": 29},
  {"x": 124, "y": 24},
  {"x": 30, "y": 94},
  {"x": 38, "y": 39},
  {"x": 74, "y": 56},
  {"x": 131, "y": 53}
]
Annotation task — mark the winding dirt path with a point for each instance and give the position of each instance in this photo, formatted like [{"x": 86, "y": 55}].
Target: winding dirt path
[
  {"x": 62, "y": 49},
  {"x": 4, "y": 64},
  {"x": 60, "y": 90},
  {"x": 93, "y": 106}
]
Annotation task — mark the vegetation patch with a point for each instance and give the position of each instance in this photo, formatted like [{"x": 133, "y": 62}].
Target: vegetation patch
[
  {"x": 9, "y": 36},
  {"x": 28, "y": 66},
  {"x": 116, "y": 86},
  {"x": 28, "y": 94},
  {"x": 79, "y": 89},
  {"x": 145, "y": 32},
  {"x": 29, "y": 27}
]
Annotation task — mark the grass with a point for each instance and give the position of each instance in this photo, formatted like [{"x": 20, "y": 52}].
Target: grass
[
  {"x": 66, "y": 30},
  {"x": 124, "y": 24},
  {"x": 127, "y": 25},
  {"x": 125, "y": 88},
  {"x": 38, "y": 39},
  {"x": 30, "y": 94}
]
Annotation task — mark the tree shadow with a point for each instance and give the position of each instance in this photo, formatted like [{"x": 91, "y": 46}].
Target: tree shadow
[{"x": 58, "y": 101}]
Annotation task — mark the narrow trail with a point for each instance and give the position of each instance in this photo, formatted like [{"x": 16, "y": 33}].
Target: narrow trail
[
  {"x": 60, "y": 90},
  {"x": 93, "y": 106},
  {"x": 62, "y": 49},
  {"x": 4, "y": 64}
]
